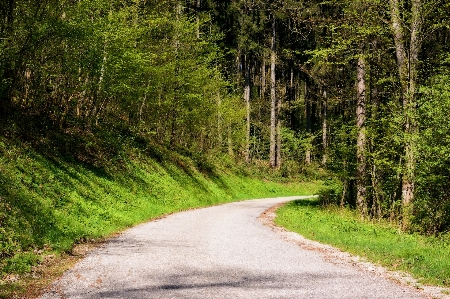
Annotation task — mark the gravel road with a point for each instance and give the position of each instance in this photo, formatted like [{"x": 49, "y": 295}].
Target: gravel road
[{"x": 218, "y": 252}]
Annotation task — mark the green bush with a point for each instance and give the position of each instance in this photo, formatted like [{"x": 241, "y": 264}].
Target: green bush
[
  {"x": 331, "y": 193},
  {"x": 21, "y": 263}
]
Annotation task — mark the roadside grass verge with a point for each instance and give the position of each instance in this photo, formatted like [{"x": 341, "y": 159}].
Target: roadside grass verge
[
  {"x": 426, "y": 258},
  {"x": 49, "y": 204}
]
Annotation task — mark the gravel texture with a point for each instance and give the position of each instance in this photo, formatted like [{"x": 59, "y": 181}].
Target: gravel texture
[{"x": 219, "y": 252}]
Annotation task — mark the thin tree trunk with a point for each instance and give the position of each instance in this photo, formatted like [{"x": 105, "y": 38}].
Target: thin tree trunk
[
  {"x": 291, "y": 99},
  {"x": 361, "y": 201},
  {"x": 263, "y": 78},
  {"x": 173, "y": 125},
  {"x": 238, "y": 67},
  {"x": 273, "y": 100},
  {"x": 199, "y": 3},
  {"x": 324, "y": 128},
  {"x": 377, "y": 193},
  {"x": 141, "y": 107},
  {"x": 308, "y": 123},
  {"x": 279, "y": 141},
  {"x": 247, "y": 106},
  {"x": 95, "y": 106},
  {"x": 230, "y": 142},
  {"x": 219, "y": 120}
]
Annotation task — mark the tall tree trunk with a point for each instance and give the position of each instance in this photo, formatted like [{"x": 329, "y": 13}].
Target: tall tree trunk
[
  {"x": 278, "y": 133},
  {"x": 247, "y": 108},
  {"x": 219, "y": 120},
  {"x": 361, "y": 201},
  {"x": 263, "y": 78},
  {"x": 238, "y": 67},
  {"x": 376, "y": 209},
  {"x": 291, "y": 99},
  {"x": 94, "y": 110},
  {"x": 199, "y": 4},
  {"x": 407, "y": 65},
  {"x": 324, "y": 128},
  {"x": 273, "y": 100},
  {"x": 8, "y": 69},
  {"x": 308, "y": 123}
]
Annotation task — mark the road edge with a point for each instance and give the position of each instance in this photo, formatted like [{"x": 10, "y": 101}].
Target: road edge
[{"x": 337, "y": 256}]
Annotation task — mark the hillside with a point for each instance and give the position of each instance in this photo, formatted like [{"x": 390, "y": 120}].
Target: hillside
[{"x": 51, "y": 200}]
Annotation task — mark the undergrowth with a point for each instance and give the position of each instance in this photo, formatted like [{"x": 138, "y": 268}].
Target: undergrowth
[{"x": 426, "y": 258}]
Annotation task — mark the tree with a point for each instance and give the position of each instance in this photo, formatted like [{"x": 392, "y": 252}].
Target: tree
[
  {"x": 273, "y": 99},
  {"x": 361, "y": 200},
  {"x": 407, "y": 50}
]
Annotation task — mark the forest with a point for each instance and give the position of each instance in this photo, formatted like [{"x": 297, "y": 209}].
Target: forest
[{"x": 358, "y": 88}]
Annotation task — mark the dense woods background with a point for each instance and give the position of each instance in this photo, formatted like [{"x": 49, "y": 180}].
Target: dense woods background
[{"x": 360, "y": 88}]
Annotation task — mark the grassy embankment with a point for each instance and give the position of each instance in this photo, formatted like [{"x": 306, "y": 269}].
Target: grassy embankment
[
  {"x": 426, "y": 258},
  {"x": 49, "y": 203}
]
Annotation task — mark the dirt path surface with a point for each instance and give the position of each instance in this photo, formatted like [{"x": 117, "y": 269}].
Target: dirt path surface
[{"x": 219, "y": 252}]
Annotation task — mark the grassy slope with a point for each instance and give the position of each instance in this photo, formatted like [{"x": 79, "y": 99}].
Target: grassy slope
[
  {"x": 426, "y": 258},
  {"x": 49, "y": 204}
]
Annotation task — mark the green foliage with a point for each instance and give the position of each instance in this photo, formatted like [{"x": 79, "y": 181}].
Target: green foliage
[
  {"x": 432, "y": 208},
  {"x": 331, "y": 193},
  {"x": 103, "y": 63},
  {"x": 295, "y": 144},
  {"x": 21, "y": 263},
  {"x": 426, "y": 258}
]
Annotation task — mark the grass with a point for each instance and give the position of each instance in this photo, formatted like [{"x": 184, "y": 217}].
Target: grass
[
  {"x": 51, "y": 203},
  {"x": 426, "y": 258}
]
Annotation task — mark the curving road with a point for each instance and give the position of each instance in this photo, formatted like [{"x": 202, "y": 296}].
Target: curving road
[{"x": 218, "y": 252}]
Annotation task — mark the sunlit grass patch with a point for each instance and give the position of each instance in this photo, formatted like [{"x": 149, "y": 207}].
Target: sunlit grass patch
[{"x": 426, "y": 258}]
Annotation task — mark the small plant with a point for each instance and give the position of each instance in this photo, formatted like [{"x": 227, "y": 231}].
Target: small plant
[{"x": 21, "y": 263}]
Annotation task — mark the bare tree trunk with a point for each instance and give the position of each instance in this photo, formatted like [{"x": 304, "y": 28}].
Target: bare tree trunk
[
  {"x": 142, "y": 105},
  {"x": 273, "y": 100},
  {"x": 173, "y": 127},
  {"x": 279, "y": 141},
  {"x": 199, "y": 3},
  {"x": 407, "y": 65},
  {"x": 27, "y": 88},
  {"x": 230, "y": 142},
  {"x": 219, "y": 119},
  {"x": 238, "y": 67},
  {"x": 95, "y": 104},
  {"x": 361, "y": 192},
  {"x": 247, "y": 106},
  {"x": 377, "y": 193},
  {"x": 263, "y": 78},
  {"x": 324, "y": 128},
  {"x": 308, "y": 123},
  {"x": 291, "y": 99}
]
